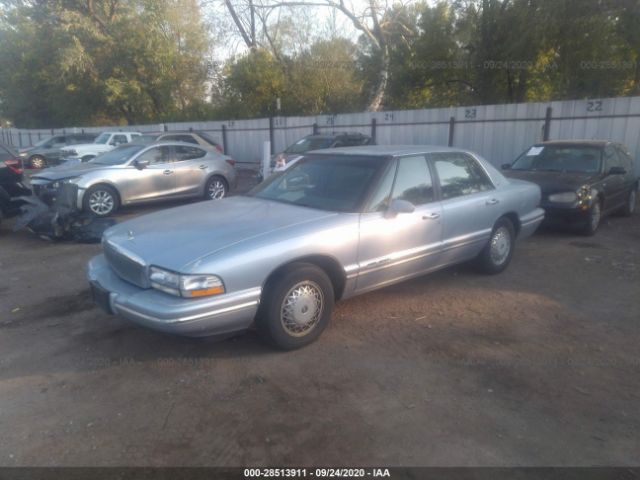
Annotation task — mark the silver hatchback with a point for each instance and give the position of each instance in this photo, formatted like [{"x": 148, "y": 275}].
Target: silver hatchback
[{"x": 136, "y": 173}]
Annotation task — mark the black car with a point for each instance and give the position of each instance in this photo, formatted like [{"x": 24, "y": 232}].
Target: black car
[
  {"x": 197, "y": 138},
  {"x": 581, "y": 181},
  {"x": 48, "y": 150},
  {"x": 11, "y": 186}
]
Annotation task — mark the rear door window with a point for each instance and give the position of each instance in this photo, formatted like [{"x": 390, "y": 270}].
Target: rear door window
[
  {"x": 459, "y": 175},
  {"x": 188, "y": 153}
]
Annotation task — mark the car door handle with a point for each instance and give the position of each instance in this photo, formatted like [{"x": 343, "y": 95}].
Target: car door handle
[
  {"x": 202, "y": 167},
  {"x": 168, "y": 172},
  {"x": 431, "y": 216},
  {"x": 493, "y": 201}
]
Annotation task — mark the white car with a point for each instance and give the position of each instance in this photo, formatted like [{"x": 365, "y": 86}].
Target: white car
[{"x": 103, "y": 143}]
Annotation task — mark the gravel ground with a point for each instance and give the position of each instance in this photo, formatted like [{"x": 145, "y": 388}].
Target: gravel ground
[{"x": 537, "y": 366}]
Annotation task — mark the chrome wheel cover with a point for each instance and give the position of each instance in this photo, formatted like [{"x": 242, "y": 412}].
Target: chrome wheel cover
[
  {"x": 302, "y": 308},
  {"x": 37, "y": 162},
  {"x": 216, "y": 190},
  {"x": 500, "y": 245},
  {"x": 595, "y": 216},
  {"x": 101, "y": 202}
]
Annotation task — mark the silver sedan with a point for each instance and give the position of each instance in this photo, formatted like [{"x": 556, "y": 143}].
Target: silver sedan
[
  {"x": 335, "y": 224},
  {"x": 136, "y": 173}
]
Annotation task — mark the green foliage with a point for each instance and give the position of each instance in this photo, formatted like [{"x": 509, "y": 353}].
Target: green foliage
[{"x": 82, "y": 62}]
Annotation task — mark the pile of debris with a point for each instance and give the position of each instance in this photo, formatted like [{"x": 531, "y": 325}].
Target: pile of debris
[{"x": 56, "y": 217}]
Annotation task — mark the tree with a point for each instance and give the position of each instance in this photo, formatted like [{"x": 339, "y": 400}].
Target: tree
[{"x": 135, "y": 61}]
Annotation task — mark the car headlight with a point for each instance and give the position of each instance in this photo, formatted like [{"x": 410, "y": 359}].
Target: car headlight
[
  {"x": 23, "y": 154},
  {"x": 189, "y": 286},
  {"x": 59, "y": 183},
  {"x": 564, "y": 197}
]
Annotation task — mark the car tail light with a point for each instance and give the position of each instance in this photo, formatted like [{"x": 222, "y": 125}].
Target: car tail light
[
  {"x": 14, "y": 165},
  {"x": 231, "y": 162},
  {"x": 219, "y": 148}
]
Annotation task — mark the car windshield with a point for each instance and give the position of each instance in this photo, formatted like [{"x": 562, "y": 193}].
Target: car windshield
[
  {"x": 309, "y": 143},
  {"x": 102, "y": 138},
  {"x": 118, "y": 155},
  {"x": 44, "y": 141},
  {"x": 560, "y": 158},
  {"x": 334, "y": 183}
]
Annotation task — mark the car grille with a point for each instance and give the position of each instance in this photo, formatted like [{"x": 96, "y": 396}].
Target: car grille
[{"x": 126, "y": 265}]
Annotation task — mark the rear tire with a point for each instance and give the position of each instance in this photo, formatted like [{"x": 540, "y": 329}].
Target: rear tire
[
  {"x": 101, "y": 201},
  {"x": 37, "y": 162},
  {"x": 296, "y": 307},
  {"x": 216, "y": 188},
  {"x": 497, "y": 253},
  {"x": 630, "y": 207}
]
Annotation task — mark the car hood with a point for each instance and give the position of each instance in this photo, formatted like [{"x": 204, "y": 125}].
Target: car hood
[
  {"x": 179, "y": 237},
  {"x": 67, "y": 170},
  {"x": 551, "y": 182}
]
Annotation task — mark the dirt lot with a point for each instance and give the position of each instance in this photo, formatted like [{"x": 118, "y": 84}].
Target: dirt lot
[{"x": 536, "y": 366}]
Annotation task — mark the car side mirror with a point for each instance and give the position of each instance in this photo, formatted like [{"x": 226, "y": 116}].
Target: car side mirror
[
  {"x": 399, "y": 206},
  {"x": 617, "y": 171},
  {"x": 141, "y": 164},
  {"x": 506, "y": 166}
]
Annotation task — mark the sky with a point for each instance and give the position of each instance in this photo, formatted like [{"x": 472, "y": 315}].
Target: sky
[{"x": 318, "y": 22}]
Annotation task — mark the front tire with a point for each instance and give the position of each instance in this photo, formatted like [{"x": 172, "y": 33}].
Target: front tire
[
  {"x": 37, "y": 162},
  {"x": 101, "y": 200},
  {"x": 630, "y": 207},
  {"x": 593, "y": 219},
  {"x": 296, "y": 307},
  {"x": 497, "y": 253},
  {"x": 216, "y": 188}
]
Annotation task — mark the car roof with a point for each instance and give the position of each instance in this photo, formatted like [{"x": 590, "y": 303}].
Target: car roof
[
  {"x": 388, "y": 150},
  {"x": 585, "y": 143},
  {"x": 338, "y": 134}
]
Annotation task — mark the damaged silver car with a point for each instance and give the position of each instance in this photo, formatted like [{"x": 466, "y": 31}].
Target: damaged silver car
[
  {"x": 137, "y": 173},
  {"x": 337, "y": 223}
]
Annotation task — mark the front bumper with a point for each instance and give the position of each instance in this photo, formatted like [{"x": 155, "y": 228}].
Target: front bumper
[
  {"x": 228, "y": 313},
  {"x": 569, "y": 214}
]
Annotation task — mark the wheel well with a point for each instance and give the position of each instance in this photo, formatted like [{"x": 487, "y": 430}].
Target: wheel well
[
  {"x": 329, "y": 265},
  {"x": 515, "y": 220},
  {"x": 219, "y": 175},
  {"x": 104, "y": 184}
]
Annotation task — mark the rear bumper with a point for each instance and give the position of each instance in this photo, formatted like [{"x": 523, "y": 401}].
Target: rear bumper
[
  {"x": 530, "y": 222},
  {"x": 228, "y": 313}
]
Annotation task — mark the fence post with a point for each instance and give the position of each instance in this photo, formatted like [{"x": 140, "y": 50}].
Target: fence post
[
  {"x": 452, "y": 127},
  {"x": 224, "y": 139},
  {"x": 271, "y": 134},
  {"x": 374, "y": 125},
  {"x": 315, "y": 128},
  {"x": 30, "y": 141},
  {"x": 20, "y": 139},
  {"x": 547, "y": 124},
  {"x": 52, "y": 134},
  {"x": 40, "y": 135}
]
